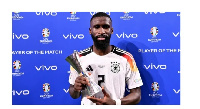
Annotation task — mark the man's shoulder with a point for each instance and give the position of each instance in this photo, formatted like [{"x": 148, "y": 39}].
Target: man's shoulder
[
  {"x": 122, "y": 52},
  {"x": 86, "y": 51}
]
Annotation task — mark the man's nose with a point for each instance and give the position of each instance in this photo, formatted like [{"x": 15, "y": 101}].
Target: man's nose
[{"x": 101, "y": 31}]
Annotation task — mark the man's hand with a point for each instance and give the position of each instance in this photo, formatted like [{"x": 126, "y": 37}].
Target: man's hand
[
  {"x": 80, "y": 83},
  {"x": 105, "y": 101}
]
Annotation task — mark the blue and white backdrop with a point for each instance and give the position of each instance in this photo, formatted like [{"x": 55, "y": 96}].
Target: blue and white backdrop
[{"x": 42, "y": 40}]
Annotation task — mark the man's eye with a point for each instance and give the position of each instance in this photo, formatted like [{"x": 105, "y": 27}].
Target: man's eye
[
  {"x": 106, "y": 26},
  {"x": 96, "y": 26}
]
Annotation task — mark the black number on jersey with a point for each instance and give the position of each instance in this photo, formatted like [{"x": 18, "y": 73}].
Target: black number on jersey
[{"x": 102, "y": 78}]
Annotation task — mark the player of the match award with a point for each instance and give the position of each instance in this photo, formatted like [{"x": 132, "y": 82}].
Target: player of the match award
[{"x": 75, "y": 62}]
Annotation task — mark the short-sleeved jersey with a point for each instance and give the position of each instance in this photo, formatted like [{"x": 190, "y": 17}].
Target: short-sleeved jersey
[{"x": 113, "y": 71}]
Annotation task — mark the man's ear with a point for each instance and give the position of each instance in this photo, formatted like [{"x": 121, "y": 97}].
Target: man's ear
[
  {"x": 112, "y": 30},
  {"x": 90, "y": 30}
]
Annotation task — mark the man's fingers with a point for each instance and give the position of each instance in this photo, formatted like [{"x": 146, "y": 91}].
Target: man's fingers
[
  {"x": 87, "y": 82},
  {"x": 98, "y": 103},
  {"x": 95, "y": 100},
  {"x": 78, "y": 85},
  {"x": 104, "y": 92}
]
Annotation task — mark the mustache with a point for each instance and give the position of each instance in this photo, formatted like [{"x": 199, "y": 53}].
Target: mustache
[{"x": 101, "y": 36}]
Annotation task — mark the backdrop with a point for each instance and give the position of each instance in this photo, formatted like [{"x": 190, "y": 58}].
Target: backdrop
[{"x": 42, "y": 40}]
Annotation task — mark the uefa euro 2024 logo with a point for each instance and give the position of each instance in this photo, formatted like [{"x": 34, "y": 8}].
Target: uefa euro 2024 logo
[
  {"x": 126, "y": 16},
  {"x": 154, "y": 33},
  {"x": 46, "y": 89},
  {"x": 17, "y": 66},
  {"x": 45, "y": 34},
  {"x": 73, "y": 17},
  {"x": 155, "y": 87}
]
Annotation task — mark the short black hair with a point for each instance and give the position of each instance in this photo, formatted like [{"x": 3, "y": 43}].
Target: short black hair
[{"x": 100, "y": 14}]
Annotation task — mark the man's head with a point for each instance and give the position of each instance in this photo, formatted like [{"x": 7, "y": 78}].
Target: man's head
[{"x": 101, "y": 30}]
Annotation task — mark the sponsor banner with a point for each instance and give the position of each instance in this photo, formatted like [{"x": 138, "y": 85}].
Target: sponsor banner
[
  {"x": 37, "y": 52},
  {"x": 156, "y": 50}
]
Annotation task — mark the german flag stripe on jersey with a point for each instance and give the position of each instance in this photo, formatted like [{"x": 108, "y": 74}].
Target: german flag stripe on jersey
[{"x": 85, "y": 51}]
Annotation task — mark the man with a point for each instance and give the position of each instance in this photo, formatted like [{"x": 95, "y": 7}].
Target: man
[{"x": 109, "y": 66}]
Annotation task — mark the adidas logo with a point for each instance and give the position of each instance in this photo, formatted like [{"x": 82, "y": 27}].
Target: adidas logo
[{"x": 89, "y": 68}]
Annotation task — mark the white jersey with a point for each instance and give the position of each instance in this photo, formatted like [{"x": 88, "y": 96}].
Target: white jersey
[{"x": 113, "y": 71}]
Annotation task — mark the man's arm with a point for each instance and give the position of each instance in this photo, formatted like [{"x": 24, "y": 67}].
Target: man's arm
[
  {"x": 80, "y": 84},
  {"x": 133, "y": 98},
  {"x": 74, "y": 94}
]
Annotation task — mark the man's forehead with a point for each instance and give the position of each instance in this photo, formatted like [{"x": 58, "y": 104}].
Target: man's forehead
[{"x": 103, "y": 19}]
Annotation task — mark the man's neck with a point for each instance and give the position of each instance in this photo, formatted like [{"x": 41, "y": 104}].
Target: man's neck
[{"x": 102, "y": 52}]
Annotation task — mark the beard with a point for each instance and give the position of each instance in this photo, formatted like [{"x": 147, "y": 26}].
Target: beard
[{"x": 101, "y": 44}]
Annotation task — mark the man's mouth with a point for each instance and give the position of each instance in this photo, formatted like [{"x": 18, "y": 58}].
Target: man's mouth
[{"x": 101, "y": 38}]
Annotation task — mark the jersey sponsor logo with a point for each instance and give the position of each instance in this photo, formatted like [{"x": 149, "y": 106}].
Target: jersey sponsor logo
[{"x": 115, "y": 67}]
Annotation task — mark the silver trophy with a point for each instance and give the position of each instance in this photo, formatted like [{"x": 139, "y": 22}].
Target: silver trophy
[{"x": 75, "y": 62}]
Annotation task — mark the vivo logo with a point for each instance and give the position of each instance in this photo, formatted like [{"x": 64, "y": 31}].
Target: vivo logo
[
  {"x": 72, "y": 36},
  {"x": 175, "y": 35},
  {"x": 177, "y": 91},
  {"x": 124, "y": 35},
  {"x": 23, "y": 36},
  {"x": 66, "y": 91},
  {"x": 43, "y": 67},
  {"x": 46, "y": 13},
  {"x": 22, "y": 92},
  {"x": 92, "y": 13},
  {"x": 154, "y": 12},
  {"x": 155, "y": 66}
]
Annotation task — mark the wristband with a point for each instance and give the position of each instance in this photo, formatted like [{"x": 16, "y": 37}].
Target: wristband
[{"x": 118, "y": 102}]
